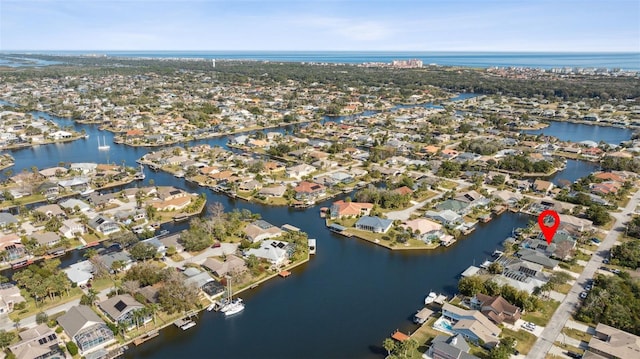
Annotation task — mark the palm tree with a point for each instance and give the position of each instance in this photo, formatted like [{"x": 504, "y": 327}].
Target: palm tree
[{"x": 92, "y": 295}]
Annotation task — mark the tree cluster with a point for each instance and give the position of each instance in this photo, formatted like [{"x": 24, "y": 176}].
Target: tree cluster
[
  {"x": 627, "y": 254},
  {"x": 45, "y": 280},
  {"x": 521, "y": 163},
  {"x": 472, "y": 285},
  {"x": 386, "y": 199},
  {"x": 613, "y": 301}
]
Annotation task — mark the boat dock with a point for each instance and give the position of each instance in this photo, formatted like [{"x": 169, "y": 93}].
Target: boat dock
[
  {"x": 185, "y": 322},
  {"x": 284, "y": 273},
  {"x": 146, "y": 337}
]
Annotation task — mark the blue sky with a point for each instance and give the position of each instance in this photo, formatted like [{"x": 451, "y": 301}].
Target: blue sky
[{"x": 418, "y": 25}]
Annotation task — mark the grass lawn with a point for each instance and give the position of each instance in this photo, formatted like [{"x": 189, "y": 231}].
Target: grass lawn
[
  {"x": 568, "y": 347},
  {"x": 576, "y": 268},
  {"x": 564, "y": 288},
  {"x": 425, "y": 333},
  {"x": 101, "y": 283},
  {"x": 580, "y": 255},
  {"x": 32, "y": 309},
  {"x": 447, "y": 184},
  {"x": 577, "y": 334},
  {"x": 542, "y": 316},
  {"x": 525, "y": 339}
]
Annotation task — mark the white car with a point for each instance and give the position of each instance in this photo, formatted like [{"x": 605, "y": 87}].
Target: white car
[{"x": 583, "y": 295}]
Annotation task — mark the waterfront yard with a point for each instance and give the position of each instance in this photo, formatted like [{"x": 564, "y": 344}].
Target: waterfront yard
[{"x": 32, "y": 308}]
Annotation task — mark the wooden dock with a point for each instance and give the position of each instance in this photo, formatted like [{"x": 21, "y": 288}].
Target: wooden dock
[
  {"x": 284, "y": 273},
  {"x": 146, "y": 337}
]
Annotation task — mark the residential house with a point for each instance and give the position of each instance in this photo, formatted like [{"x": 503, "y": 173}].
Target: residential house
[
  {"x": 426, "y": 230},
  {"x": 124, "y": 258},
  {"x": 103, "y": 225},
  {"x": 453, "y": 206},
  {"x": 275, "y": 191},
  {"x": 169, "y": 193},
  {"x": 542, "y": 186},
  {"x": 80, "y": 273},
  {"x": 537, "y": 257},
  {"x": 260, "y": 230},
  {"x": 121, "y": 308},
  {"x": 300, "y": 171},
  {"x": 197, "y": 277},
  {"x": 613, "y": 343},
  {"x": 86, "y": 329},
  {"x": 173, "y": 204},
  {"x": 46, "y": 238},
  {"x": 276, "y": 252},
  {"x": 309, "y": 191},
  {"x": 472, "y": 325},
  {"x": 37, "y": 343},
  {"x": 572, "y": 223},
  {"x": 231, "y": 265},
  {"x": 605, "y": 188},
  {"x": 70, "y": 228},
  {"x": 374, "y": 224},
  {"x": 472, "y": 199},
  {"x": 71, "y": 204},
  {"x": 497, "y": 309},
  {"x": 342, "y": 209},
  {"x": 12, "y": 246},
  {"x": 453, "y": 347},
  {"x": 51, "y": 210},
  {"x": 9, "y": 297},
  {"x": 7, "y": 219},
  {"x": 447, "y": 217}
]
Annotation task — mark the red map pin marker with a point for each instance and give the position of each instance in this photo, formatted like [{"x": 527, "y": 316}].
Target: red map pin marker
[{"x": 549, "y": 232}]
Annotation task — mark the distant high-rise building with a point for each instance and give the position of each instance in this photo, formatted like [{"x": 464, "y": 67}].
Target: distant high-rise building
[{"x": 213, "y": 62}]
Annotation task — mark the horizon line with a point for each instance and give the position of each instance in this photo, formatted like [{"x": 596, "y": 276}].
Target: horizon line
[{"x": 345, "y": 51}]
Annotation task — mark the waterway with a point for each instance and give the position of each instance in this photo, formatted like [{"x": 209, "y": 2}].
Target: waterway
[
  {"x": 343, "y": 303},
  {"x": 577, "y": 132}
]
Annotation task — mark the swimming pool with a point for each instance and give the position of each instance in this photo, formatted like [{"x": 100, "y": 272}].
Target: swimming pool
[{"x": 443, "y": 325}]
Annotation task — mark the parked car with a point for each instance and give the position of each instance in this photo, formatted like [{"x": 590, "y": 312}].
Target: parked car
[
  {"x": 583, "y": 295},
  {"x": 587, "y": 287},
  {"x": 574, "y": 355}
]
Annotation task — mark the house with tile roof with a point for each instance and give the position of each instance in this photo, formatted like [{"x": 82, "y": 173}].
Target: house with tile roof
[
  {"x": 342, "y": 209},
  {"x": 497, "y": 309}
]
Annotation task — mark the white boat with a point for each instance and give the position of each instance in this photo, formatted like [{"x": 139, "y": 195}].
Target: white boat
[
  {"x": 234, "y": 307},
  {"x": 312, "y": 246},
  {"x": 430, "y": 298},
  {"x": 104, "y": 146},
  {"x": 87, "y": 191},
  {"x": 211, "y": 306}
]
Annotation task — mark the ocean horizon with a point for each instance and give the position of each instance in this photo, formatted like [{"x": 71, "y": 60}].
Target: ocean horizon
[{"x": 482, "y": 59}]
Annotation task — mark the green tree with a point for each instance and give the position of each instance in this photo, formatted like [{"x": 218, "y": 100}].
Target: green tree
[
  {"x": 6, "y": 338},
  {"x": 142, "y": 251},
  {"x": 389, "y": 345},
  {"x": 72, "y": 348}
]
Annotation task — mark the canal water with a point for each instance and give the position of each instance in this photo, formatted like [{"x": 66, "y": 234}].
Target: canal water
[
  {"x": 577, "y": 132},
  {"x": 343, "y": 303}
]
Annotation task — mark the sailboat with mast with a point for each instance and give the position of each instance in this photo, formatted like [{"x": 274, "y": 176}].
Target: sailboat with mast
[
  {"x": 104, "y": 146},
  {"x": 232, "y": 306}
]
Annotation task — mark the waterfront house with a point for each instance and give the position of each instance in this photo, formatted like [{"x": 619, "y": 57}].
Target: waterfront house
[
  {"x": 260, "y": 230},
  {"x": 123, "y": 257},
  {"x": 46, "y": 238},
  {"x": 80, "y": 273},
  {"x": 426, "y": 230},
  {"x": 537, "y": 257},
  {"x": 542, "y": 186},
  {"x": 12, "y": 246},
  {"x": 72, "y": 204},
  {"x": 275, "y": 252},
  {"x": 121, "y": 308},
  {"x": 7, "y": 219},
  {"x": 342, "y": 209},
  {"x": 86, "y": 329},
  {"x": 9, "y": 297},
  {"x": 37, "y": 343},
  {"x": 472, "y": 325},
  {"x": 453, "y": 205},
  {"x": 572, "y": 223},
  {"x": 231, "y": 265},
  {"x": 612, "y": 343},
  {"x": 274, "y": 191},
  {"x": 374, "y": 224},
  {"x": 51, "y": 210},
  {"x": 173, "y": 204},
  {"x": 197, "y": 277},
  {"x": 103, "y": 225},
  {"x": 70, "y": 228},
  {"x": 309, "y": 191},
  {"x": 453, "y": 347},
  {"x": 446, "y": 217},
  {"x": 497, "y": 309}
]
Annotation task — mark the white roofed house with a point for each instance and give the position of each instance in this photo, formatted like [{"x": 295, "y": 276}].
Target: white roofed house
[
  {"x": 104, "y": 225},
  {"x": 300, "y": 171},
  {"x": 71, "y": 227},
  {"x": 426, "y": 230},
  {"x": 71, "y": 204},
  {"x": 9, "y": 297},
  {"x": 46, "y": 238},
  {"x": 446, "y": 217},
  {"x": 276, "y": 252},
  {"x": 260, "y": 230},
  {"x": 374, "y": 224}
]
